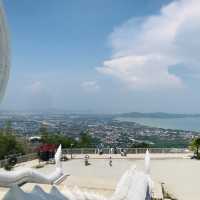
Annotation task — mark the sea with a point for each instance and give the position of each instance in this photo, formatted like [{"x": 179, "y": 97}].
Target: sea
[{"x": 186, "y": 123}]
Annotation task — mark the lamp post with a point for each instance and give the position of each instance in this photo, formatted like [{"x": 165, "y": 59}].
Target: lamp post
[{"x": 71, "y": 150}]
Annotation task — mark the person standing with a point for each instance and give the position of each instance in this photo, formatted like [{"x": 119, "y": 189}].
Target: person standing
[{"x": 110, "y": 161}]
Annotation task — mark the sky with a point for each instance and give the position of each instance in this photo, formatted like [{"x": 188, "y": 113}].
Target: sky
[{"x": 104, "y": 56}]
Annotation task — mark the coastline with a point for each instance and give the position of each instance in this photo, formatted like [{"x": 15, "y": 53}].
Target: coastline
[{"x": 185, "y": 124}]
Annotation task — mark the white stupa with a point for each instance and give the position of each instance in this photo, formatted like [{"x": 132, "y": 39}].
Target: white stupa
[{"x": 4, "y": 53}]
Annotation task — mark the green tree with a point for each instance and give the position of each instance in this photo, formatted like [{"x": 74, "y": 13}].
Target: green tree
[
  {"x": 85, "y": 140},
  {"x": 195, "y": 146},
  {"x": 43, "y": 131},
  {"x": 9, "y": 145},
  {"x": 8, "y": 127},
  {"x": 140, "y": 145}
]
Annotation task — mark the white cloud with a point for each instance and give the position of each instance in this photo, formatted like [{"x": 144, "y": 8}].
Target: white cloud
[
  {"x": 90, "y": 86},
  {"x": 38, "y": 94},
  {"x": 35, "y": 88},
  {"x": 146, "y": 49}
]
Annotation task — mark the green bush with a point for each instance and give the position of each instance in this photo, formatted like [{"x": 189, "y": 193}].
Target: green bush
[
  {"x": 195, "y": 146},
  {"x": 8, "y": 167},
  {"x": 9, "y": 145},
  {"x": 85, "y": 140}
]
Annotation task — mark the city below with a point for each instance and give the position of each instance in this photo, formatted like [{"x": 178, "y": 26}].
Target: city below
[
  {"x": 99, "y": 100},
  {"x": 105, "y": 130}
]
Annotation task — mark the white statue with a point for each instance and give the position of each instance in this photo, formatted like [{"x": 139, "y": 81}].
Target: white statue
[
  {"x": 4, "y": 53},
  {"x": 8, "y": 179},
  {"x": 133, "y": 185}
]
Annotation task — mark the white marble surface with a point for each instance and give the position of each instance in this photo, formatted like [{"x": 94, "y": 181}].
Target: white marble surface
[{"x": 180, "y": 175}]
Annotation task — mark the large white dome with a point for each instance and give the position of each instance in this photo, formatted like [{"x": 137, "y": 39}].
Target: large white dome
[{"x": 4, "y": 53}]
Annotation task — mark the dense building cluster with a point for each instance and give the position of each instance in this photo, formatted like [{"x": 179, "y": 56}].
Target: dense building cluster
[{"x": 105, "y": 129}]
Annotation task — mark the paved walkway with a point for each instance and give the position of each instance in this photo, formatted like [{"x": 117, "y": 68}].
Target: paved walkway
[{"x": 180, "y": 174}]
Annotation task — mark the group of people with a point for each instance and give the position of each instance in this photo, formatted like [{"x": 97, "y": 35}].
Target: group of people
[
  {"x": 100, "y": 151},
  {"x": 114, "y": 150},
  {"x": 86, "y": 160}
]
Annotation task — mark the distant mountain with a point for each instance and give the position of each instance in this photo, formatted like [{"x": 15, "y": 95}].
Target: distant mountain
[{"x": 157, "y": 115}]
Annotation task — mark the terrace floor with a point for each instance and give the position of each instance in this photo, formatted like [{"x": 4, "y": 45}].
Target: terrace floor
[{"x": 180, "y": 174}]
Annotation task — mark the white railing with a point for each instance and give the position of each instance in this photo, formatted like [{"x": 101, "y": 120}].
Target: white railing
[
  {"x": 128, "y": 150},
  {"x": 28, "y": 157}
]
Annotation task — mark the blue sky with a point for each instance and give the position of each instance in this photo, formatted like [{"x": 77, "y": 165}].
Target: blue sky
[{"x": 103, "y": 55}]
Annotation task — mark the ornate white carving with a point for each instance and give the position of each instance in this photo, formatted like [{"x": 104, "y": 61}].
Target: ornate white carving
[
  {"x": 133, "y": 185},
  {"x": 24, "y": 175}
]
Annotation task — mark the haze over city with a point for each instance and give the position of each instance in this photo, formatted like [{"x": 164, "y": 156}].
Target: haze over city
[
  {"x": 104, "y": 56},
  {"x": 99, "y": 99}
]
